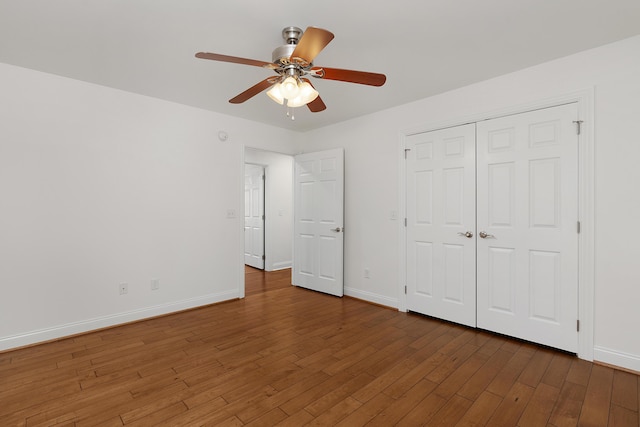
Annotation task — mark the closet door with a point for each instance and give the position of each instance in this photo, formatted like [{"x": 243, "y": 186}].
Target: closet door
[
  {"x": 440, "y": 249},
  {"x": 527, "y": 197}
]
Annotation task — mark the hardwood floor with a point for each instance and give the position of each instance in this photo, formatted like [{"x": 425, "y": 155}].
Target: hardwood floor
[
  {"x": 257, "y": 281},
  {"x": 290, "y": 357}
]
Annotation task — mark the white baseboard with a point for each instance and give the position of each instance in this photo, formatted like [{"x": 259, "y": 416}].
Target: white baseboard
[
  {"x": 70, "y": 329},
  {"x": 371, "y": 297},
  {"x": 281, "y": 265},
  {"x": 616, "y": 358}
]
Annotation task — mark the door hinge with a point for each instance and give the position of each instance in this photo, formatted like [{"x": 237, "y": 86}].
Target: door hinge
[
  {"x": 263, "y": 177},
  {"x": 263, "y": 217},
  {"x": 578, "y": 229},
  {"x": 405, "y": 222},
  {"x": 405, "y": 289},
  {"x": 405, "y": 152},
  {"x": 578, "y": 325},
  {"x": 263, "y": 258},
  {"x": 578, "y": 126}
]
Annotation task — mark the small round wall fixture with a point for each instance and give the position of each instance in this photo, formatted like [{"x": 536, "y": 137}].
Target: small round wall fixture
[{"x": 223, "y": 136}]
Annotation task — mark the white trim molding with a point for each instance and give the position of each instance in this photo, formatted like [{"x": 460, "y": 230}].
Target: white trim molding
[
  {"x": 616, "y": 358},
  {"x": 86, "y": 326},
  {"x": 371, "y": 297}
]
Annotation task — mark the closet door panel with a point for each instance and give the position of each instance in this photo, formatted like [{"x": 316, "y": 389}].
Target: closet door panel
[
  {"x": 440, "y": 211},
  {"x": 527, "y": 205}
]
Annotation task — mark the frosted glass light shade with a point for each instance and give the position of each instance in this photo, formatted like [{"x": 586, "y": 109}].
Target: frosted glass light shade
[
  {"x": 307, "y": 94},
  {"x": 276, "y": 94},
  {"x": 289, "y": 88}
]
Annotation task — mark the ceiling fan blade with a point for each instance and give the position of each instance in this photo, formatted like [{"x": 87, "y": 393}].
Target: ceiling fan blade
[
  {"x": 234, "y": 59},
  {"x": 317, "y": 104},
  {"x": 252, "y": 91},
  {"x": 351, "y": 76},
  {"x": 313, "y": 40}
]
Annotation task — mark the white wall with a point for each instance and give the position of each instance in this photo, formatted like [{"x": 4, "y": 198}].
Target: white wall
[
  {"x": 99, "y": 187},
  {"x": 372, "y": 180},
  {"x": 278, "y": 206}
]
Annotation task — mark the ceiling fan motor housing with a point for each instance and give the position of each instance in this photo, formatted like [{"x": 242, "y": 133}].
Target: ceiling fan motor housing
[{"x": 282, "y": 54}]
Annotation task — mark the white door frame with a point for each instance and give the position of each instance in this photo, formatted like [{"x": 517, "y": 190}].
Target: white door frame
[
  {"x": 267, "y": 236},
  {"x": 586, "y": 209}
]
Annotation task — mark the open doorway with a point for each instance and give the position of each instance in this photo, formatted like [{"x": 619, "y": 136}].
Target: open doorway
[{"x": 278, "y": 221}]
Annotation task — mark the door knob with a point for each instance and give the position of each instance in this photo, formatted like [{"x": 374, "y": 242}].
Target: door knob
[
  {"x": 337, "y": 229},
  {"x": 486, "y": 236},
  {"x": 466, "y": 234}
]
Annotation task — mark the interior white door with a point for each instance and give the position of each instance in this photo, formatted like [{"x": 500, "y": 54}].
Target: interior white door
[
  {"x": 441, "y": 258},
  {"x": 254, "y": 215},
  {"x": 318, "y": 221},
  {"x": 527, "y": 212}
]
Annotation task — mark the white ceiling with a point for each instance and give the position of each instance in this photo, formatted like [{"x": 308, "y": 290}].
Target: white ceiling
[{"x": 424, "y": 47}]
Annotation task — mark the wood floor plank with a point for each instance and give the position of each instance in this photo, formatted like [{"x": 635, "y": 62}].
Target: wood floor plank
[
  {"x": 480, "y": 411},
  {"x": 557, "y": 370},
  {"x": 332, "y": 397},
  {"x": 479, "y": 381},
  {"x": 538, "y": 411},
  {"x": 451, "y": 364},
  {"x": 300, "y": 418},
  {"x": 512, "y": 406},
  {"x": 508, "y": 375},
  {"x": 595, "y": 410},
  {"x": 454, "y": 382},
  {"x": 535, "y": 370},
  {"x": 366, "y": 412},
  {"x": 422, "y": 413},
  {"x": 381, "y": 382},
  {"x": 392, "y": 414},
  {"x": 289, "y": 356},
  {"x": 625, "y": 390},
  {"x": 315, "y": 393},
  {"x": 451, "y": 412},
  {"x": 282, "y": 396},
  {"x": 622, "y": 417},
  {"x": 337, "y": 413},
  {"x": 567, "y": 408},
  {"x": 579, "y": 372}
]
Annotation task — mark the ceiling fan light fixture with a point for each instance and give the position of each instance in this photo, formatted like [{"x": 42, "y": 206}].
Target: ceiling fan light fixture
[
  {"x": 292, "y": 62},
  {"x": 307, "y": 94},
  {"x": 275, "y": 93}
]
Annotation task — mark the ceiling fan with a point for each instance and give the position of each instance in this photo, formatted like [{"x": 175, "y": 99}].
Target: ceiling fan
[{"x": 292, "y": 63}]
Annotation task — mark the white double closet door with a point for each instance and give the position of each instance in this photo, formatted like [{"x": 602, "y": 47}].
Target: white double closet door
[{"x": 492, "y": 216}]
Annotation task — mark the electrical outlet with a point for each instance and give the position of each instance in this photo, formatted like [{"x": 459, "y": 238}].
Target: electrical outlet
[
  {"x": 366, "y": 273},
  {"x": 123, "y": 288},
  {"x": 155, "y": 284},
  {"x": 231, "y": 213}
]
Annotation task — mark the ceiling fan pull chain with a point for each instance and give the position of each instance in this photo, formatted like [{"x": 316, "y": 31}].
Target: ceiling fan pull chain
[{"x": 290, "y": 113}]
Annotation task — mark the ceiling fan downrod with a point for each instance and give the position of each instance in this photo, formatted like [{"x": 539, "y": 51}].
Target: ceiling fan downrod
[{"x": 291, "y": 35}]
